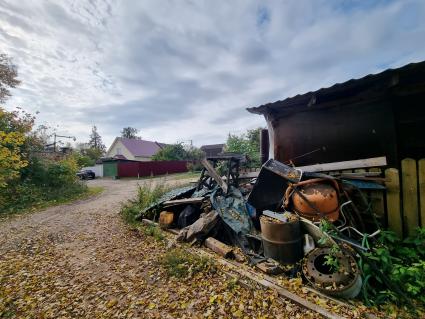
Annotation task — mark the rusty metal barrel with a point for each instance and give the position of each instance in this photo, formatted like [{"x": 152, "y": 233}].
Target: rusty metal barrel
[{"x": 282, "y": 241}]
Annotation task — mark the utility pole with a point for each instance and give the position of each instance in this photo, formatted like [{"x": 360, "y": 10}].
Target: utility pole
[{"x": 63, "y": 136}]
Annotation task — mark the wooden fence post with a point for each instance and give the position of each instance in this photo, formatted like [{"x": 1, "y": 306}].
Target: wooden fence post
[
  {"x": 392, "y": 182},
  {"x": 377, "y": 201},
  {"x": 410, "y": 195},
  {"x": 421, "y": 173}
]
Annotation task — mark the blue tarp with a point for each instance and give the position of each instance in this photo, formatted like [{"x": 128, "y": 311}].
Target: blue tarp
[{"x": 232, "y": 209}]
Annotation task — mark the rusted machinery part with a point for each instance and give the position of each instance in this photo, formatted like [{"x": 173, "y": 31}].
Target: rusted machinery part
[
  {"x": 346, "y": 282},
  {"x": 314, "y": 199}
]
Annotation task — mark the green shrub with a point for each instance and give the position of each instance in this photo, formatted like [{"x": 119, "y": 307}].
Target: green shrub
[
  {"x": 398, "y": 263},
  {"x": 147, "y": 195},
  {"x": 41, "y": 182}
]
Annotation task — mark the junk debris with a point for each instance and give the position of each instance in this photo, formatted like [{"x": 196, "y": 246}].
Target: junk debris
[
  {"x": 284, "y": 221},
  {"x": 334, "y": 273},
  {"x": 282, "y": 240},
  {"x": 200, "y": 229}
]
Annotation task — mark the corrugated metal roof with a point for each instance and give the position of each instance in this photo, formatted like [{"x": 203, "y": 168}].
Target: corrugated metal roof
[{"x": 379, "y": 81}]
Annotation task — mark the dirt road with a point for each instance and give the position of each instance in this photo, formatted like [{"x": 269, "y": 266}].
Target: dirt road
[{"x": 80, "y": 261}]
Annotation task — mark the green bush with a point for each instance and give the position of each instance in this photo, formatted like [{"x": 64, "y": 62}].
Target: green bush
[
  {"x": 147, "y": 195},
  {"x": 394, "y": 269},
  {"x": 41, "y": 182},
  {"x": 84, "y": 160},
  {"x": 248, "y": 144}
]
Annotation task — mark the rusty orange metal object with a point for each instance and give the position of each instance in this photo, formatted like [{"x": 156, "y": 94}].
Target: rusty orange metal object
[
  {"x": 166, "y": 219},
  {"x": 314, "y": 199}
]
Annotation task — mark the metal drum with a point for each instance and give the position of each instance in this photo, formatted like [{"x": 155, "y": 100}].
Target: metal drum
[{"x": 282, "y": 241}]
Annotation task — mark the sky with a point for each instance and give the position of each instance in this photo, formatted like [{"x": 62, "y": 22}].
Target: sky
[{"x": 187, "y": 70}]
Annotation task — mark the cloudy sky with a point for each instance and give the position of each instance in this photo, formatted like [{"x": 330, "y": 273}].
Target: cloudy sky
[{"x": 181, "y": 70}]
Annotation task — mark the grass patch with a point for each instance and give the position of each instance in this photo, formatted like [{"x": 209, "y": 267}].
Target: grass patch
[
  {"x": 147, "y": 194},
  {"x": 87, "y": 193},
  {"x": 33, "y": 199},
  {"x": 180, "y": 263},
  {"x": 154, "y": 231},
  {"x": 186, "y": 175}
]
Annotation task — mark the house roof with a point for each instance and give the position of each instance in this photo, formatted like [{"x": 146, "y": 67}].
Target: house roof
[
  {"x": 211, "y": 146},
  {"x": 369, "y": 86},
  {"x": 139, "y": 147}
]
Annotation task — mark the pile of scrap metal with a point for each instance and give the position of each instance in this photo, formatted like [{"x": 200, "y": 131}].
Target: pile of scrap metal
[{"x": 285, "y": 220}]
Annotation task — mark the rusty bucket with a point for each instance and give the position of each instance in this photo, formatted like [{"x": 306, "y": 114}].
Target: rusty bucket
[
  {"x": 282, "y": 241},
  {"x": 315, "y": 199}
]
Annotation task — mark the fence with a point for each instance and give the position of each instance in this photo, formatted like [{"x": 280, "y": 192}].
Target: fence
[
  {"x": 140, "y": 169},
  {"x": 405, "y": 196}
]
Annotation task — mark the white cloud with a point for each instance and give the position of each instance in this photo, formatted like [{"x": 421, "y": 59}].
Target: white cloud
[{"x": 187, "y": 70}]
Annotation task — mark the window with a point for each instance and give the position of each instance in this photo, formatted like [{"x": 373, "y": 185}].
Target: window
[{"x": 118, "y": 151}]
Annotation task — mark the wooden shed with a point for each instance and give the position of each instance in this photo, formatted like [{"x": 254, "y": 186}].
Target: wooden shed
[{"x": 379, "y": 115}]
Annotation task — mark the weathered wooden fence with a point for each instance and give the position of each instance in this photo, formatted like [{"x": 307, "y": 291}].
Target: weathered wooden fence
[{"x": 405, "y": 196}]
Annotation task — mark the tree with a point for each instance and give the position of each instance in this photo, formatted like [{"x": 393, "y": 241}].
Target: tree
[
  {"x": 26, "y": 177},
  {"x": 178, "y": 152},
  {"x": 13, "y": 126},
  {"x": 84, "y": 160},
  {"x": 247, "y": 143},
  {"x": 172, "y": 152},
  {"x": 11, "y": 141},
  {"x": 130, "y": 132},
  {"x": 95, "y": 141},
  {"x": 8, "y": 77}
]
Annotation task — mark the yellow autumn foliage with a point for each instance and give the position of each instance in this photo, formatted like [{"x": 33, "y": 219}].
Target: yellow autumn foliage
[{"x": 11, "y": 160}]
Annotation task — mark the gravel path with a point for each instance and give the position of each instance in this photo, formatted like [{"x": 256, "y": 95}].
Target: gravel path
[{"x": 80, "y": 261}]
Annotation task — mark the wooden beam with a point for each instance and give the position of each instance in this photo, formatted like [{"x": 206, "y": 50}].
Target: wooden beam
[
  {"x": 336, "y": 166},
  {"x": 249, "y": 175},
  {"x": 421, "y": 173},
  {"x": 410, "y": 195},
  {"x": 217, "y": 246},
  {"x": 213, "y": 173},
  {"x": 394, "y": 220},
  {"x": 377, "y": 198},
  {"x": 183, "y": 201},
  {"x": 361, "y": 163}
]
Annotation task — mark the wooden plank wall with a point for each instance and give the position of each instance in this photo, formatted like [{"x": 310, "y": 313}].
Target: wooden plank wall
[{"x": 405, "y": 196}]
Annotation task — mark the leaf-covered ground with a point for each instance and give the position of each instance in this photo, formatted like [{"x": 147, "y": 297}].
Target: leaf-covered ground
[{"x": 81, "y": 261}]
